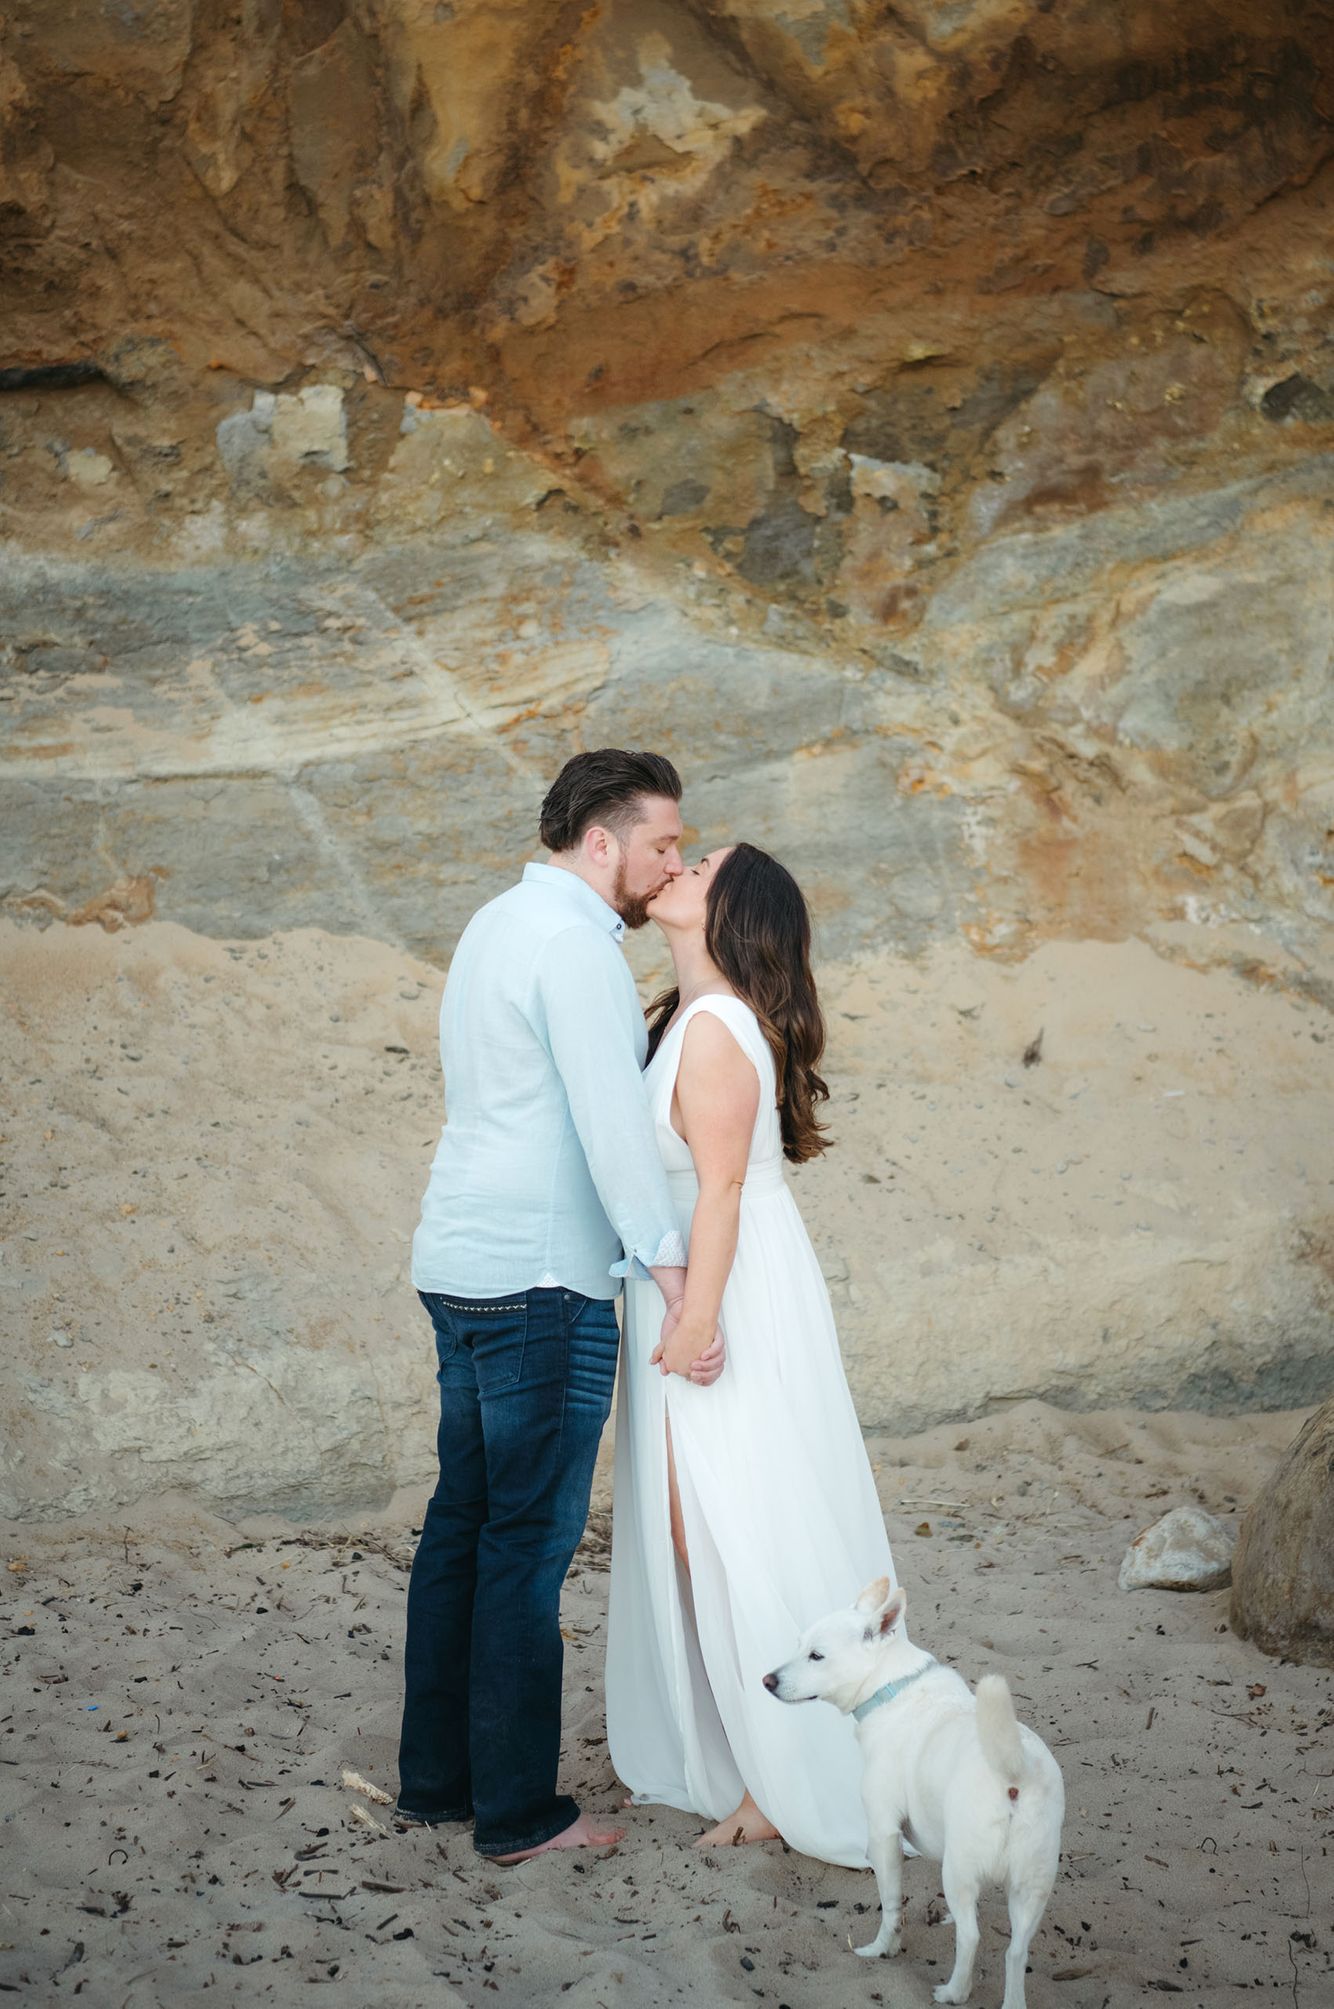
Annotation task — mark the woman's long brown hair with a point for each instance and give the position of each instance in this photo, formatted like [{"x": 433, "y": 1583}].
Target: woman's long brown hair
[{"x": 758, "y": 932}]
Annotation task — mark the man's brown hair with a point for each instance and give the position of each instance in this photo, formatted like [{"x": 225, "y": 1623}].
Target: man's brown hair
[{"x": 607, "y": 786}]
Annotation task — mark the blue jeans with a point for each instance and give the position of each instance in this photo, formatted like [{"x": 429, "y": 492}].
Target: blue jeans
[{"x": 525, "y": 1388}]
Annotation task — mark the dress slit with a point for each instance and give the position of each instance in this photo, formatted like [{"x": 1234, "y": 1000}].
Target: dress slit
[{"x": 710, "y": 1757}]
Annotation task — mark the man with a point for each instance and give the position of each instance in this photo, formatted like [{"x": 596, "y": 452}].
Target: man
[{"x": 547, "y": 1170}]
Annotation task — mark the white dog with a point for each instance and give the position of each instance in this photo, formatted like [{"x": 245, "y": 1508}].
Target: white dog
[{"x": 951, "y": 1776}]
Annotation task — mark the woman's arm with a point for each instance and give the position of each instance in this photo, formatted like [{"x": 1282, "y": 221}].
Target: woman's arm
[{"x": 718, "y": 1091}]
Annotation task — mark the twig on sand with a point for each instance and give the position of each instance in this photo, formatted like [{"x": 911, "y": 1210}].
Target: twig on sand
[
  {"x": 356, "y": 1784},
  {"x": 366, "y": 1819}
]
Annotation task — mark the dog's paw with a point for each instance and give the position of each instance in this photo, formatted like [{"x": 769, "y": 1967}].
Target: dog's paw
[
  {"x": 879, "y": 1948},
  {"x": 944, "y": 1993}
]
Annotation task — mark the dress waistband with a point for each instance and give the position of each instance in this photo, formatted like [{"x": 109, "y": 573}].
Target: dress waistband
[{"x": 761, "y": 1180}]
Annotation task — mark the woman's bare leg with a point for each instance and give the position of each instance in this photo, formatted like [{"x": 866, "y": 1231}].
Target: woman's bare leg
[
  {"x": 674, "y": 1504},
  {"x": 747, "y": 1824}
]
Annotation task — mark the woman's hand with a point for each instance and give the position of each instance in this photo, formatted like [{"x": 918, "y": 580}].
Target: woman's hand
[
  {"x": 705, "y": 1371},
  {"x": 683, "y": 1350}
]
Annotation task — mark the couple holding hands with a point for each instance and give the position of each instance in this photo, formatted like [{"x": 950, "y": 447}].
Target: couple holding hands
[{"x": 585, "y": 1146}]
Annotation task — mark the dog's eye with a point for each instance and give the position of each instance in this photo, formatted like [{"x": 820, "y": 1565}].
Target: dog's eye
[{"x": 815, "y": 1656}]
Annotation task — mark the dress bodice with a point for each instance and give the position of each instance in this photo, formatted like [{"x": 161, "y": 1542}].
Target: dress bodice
[{"x": 764, "y": 1167}]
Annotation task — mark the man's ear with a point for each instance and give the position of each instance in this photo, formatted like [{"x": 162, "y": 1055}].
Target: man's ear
[{"x": 599, "y": 844}]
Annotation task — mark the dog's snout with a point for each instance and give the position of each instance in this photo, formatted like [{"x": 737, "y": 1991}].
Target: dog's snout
[{"x": 771, "y": 1683}]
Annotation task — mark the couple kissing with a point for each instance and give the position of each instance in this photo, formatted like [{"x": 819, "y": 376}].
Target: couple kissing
[{"x": 588, "y": 1147}]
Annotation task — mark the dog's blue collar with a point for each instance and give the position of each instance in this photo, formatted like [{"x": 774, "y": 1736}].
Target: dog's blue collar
[{"x": 891, "y": 1689}]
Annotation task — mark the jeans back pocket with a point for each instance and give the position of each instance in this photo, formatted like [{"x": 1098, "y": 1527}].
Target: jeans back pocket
[{"x": 494, "y": 1331}]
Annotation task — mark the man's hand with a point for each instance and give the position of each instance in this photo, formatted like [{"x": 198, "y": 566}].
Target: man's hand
[{"x": 671, "y": 1319}]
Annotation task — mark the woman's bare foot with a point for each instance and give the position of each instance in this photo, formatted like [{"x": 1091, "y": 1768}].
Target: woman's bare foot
[
  {"x": 585, "y": 1833},
  {"x": 747, "y": 1824}
]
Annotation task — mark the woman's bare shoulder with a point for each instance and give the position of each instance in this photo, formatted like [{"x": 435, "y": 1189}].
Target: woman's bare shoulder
[{"x": 712, "y": 1037}]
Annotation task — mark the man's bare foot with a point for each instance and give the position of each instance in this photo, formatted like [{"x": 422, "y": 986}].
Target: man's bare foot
[
  {"x": 747, "y": 1824},
  {"x": 585, "y": 1833}
]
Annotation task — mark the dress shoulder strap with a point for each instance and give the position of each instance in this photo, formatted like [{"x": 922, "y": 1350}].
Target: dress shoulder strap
[{"x": 741, "y": 1022}]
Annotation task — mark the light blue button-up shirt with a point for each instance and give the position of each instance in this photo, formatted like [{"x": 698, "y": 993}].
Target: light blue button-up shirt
[{"x": 547, "y": 1171}]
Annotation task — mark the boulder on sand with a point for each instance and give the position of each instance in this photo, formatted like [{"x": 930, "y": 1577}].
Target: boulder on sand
[
  {"x": 1186, "y": 1550},
  {"x": 1283, "y": 1574}
]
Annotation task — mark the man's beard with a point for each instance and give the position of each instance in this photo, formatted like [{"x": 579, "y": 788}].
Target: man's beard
[{"x": 632, "y": 907}]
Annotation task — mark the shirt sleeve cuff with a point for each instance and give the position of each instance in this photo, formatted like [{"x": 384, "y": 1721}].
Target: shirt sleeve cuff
[{"x": 670, "y": 1255}]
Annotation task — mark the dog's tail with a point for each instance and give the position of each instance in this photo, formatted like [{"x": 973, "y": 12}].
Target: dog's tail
[{"x": 998, "y": 1731}]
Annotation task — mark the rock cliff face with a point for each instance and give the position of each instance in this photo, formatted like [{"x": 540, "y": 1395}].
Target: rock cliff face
[
  {"x": 976, "y": 349},
  {"x": 918, "y": 419}
]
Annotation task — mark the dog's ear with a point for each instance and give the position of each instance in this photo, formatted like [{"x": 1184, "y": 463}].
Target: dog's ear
[
  {"x": 872, "y": 1597},
  {"x": 891, "y": 1612}
]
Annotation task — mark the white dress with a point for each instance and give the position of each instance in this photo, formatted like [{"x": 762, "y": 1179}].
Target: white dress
[{"x": 781, "y": 1516}]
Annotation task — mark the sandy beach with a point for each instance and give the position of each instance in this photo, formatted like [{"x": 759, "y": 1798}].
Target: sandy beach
[
  {"x": 184, "y": 1693},
  {"x": 215, "y": 1155}
]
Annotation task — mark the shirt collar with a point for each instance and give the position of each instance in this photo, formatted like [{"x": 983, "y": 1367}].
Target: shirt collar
[{"x": 578, "y": 890}]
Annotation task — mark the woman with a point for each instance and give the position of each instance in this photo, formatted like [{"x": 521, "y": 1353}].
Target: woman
[{"x": 744, "y": 1511}]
